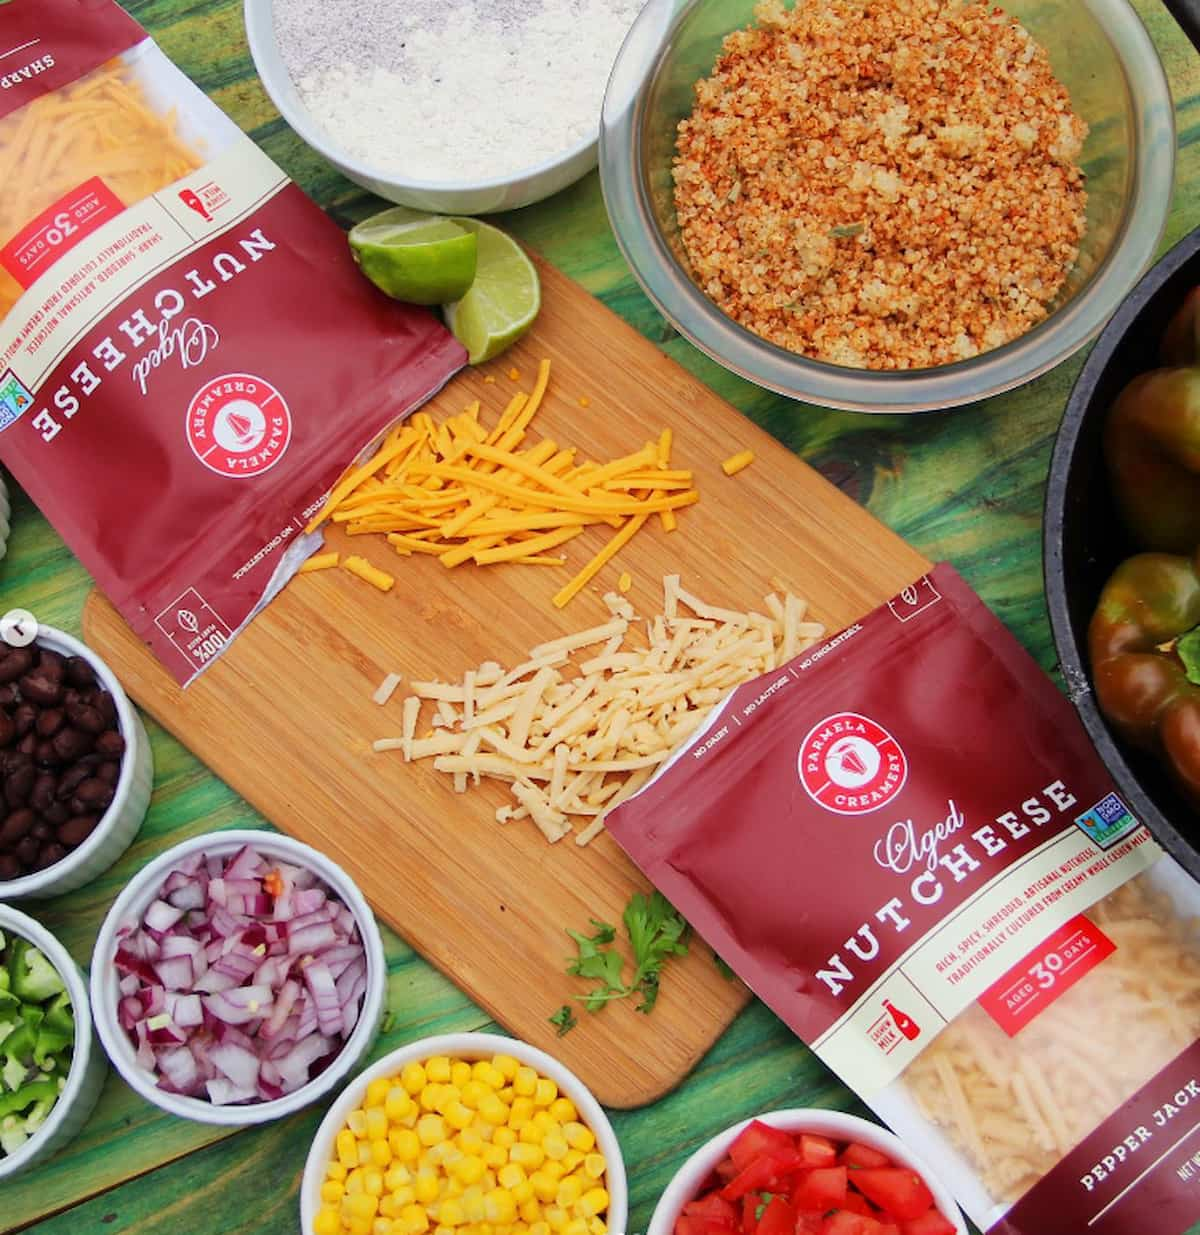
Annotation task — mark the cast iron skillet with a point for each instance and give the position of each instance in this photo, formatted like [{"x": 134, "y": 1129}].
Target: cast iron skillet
[{"x": 1084, "y": 540}]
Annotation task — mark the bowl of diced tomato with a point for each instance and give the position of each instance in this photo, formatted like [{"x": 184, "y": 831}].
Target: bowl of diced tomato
[{"x": 805, "y": 1172}]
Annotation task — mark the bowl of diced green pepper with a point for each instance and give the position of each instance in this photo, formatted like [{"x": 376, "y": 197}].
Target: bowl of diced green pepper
[{"x": 50, "y": 1069}]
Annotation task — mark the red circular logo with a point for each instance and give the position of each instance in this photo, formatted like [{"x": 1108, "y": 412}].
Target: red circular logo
[
  {"x": 239, "y": 425},
  {"x": 850, "y": 765}
]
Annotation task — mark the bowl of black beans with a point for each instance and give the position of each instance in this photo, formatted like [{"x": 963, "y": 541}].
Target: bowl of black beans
[{"x": 75, "y": 767}]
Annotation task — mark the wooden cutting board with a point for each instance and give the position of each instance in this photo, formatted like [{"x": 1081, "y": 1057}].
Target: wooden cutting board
[{"x": 286, "y": 716}]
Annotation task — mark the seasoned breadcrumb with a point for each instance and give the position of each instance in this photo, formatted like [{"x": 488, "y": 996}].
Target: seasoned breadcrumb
[{"x": 883, "y": 184}]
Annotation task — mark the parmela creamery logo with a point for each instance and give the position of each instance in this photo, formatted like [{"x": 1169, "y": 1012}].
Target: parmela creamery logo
[{"x": 851, "y": 765}]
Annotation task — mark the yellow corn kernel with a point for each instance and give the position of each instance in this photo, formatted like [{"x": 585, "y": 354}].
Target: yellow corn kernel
[
  {"x": 336, "y": 1170},
  {"x": 460, "y": 1073},
  {"x": 522, "y": 1106},
  {"x": 415, "y": 1218},
  {"x": 356, "y": 1121},
  {"x": 472, "y": 1201},
  {"x": 544, "y": 1120},
  {"x": 563, "y": 1109},
  {"x": 354, "y": 1181},
  {"x": 431, "y": 1129},
  {"x": 594, "y": 1166},
  {"x": 554, "y": 1169},
  {"x": 545, "y": 1187},
  {"x": 523, "y": 1192},
  {"x": 507, "y": 1094},
  {"x": 525, "y": 1082},
  {"x": 484, "y": 1128},
  {"x": 407, "y": 1195},
  {"x": 544, "y": 1092},
  {"x": 495, "y": 1156},
  {"x": 438, "y": 1069},
  {"x": 573, "y": 1158},
  {"x": 530, "y": 1133},
  {"x": 396, "y": 1103},
  {"x": 327, "y": 1222},
  {"x": 377, "y": 1091},
  {"x": 458, "y": 1115},
  {"x": 412, "y": 1077},
  {"x": 373, "y": 1181},
  {"x": 506, "y": 1065},
  {"x": 442, "y": 1229},
  {"x": 539, "y": 1228},
  {"x": 377, "y": 1123},
  {"x": 577, "y": 1226},
  {"x": 397, "y": 1177},
  {"x": 347, "y": 1148},
  {"x": 450, "y": 1213},
  {"x": 527, "y": 1155},
  {"x": 469, "y": 1141},
  {"x": 597, "y": 1226},
  {"x": 426, "y": 1187},
  {"x": 505, "y": 1137},
  {"x": 472, "y": 1092},
  {"x": 558, "y": 1218},
  {"x": 331, "y": 1191},
  {"x": 531, "y": 1211},
  {"x": 499, "y": 1206},
  {"x": 492, "y": 1109},
  {"x": 490, "y": 1075},
  {"x": 579, "y": 1136},
  {"x": 511, "y": 1174},
  {"x": 555, "y": 1145},
  {"x": 381, "y": 1152},
  {"x": 429, "y": 1097},
  {"x": 489, "y": 1180},
  {"x": 361, "y": 1226},
  {"x": 570, "y": 1189},
  {"x": 364, "y": 1153},
  {"x": 388, "y": 1206},
  {"x": 381, "y": 1226},
  {"x": 405, "y": 1143},
  {"x": 448, "y": 1094},
  {"x": 594, "y": 1201},
  {"x": 364, "y": 1205},
  {"x": 469, "y": 1168},
  {"x": 444, "y": 1153}
]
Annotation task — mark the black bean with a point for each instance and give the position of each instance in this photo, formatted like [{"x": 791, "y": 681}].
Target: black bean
[
  {"x": 75, "y": 831},
  {"x": 50, "y": 722},
  {"x": 57, "y": 813},
  {"x": 15, "y": 663},
  {"x": 24, "y": 718},
  {"x": 108, "y": 707},
  {"x": 42, "y": 830},
  {"x": 38, "y": 687},
  {"x": 10, "y": 867},
  {"x": 110, "y": 771},
  {"x": 27, "y": 850},
  {"x": 42, "y": 794},
  {"x": 28, "y": 744},
  {"x": 110, "y": 743},
  {"x": 71, "y": 744},
  {"x": 48, "y": 855},
  {"x": 85, "y": 716},
  {"x": 8, "y": 730},
  {"x": 18, "y": 785},
  {"x": 79, "y": 673},
  {"x": 44, "y": 752},
  {"x": 52, "y": 664}
]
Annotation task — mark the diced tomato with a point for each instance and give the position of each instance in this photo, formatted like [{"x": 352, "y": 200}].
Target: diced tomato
[
  {"x": 843, "y": 1222},
  {"x": 750, "y": 1204},
  {"x": 809, "y": 1222},
  {"x": 778, "y": 1218},
  {"x": 763, "y": 1174},
  {"x": 888, "y": 1228},
  {"x": 856, "y": 1203},
  {"x": 863, "y": 1155},
  {"x": 725, "y": 1170},
  {"x": 822, "y": 1188},
  {"x": 929, "y": 1223},
  {"x": 687, "y": 1226},
  {"x": 817, "y": 1150},
  {"x": 901, "y": 1193},
  {"x": 757, "y": 1139},
  {"x": 715, "y": 1208},
  {"x": 696, "y": 1224}
]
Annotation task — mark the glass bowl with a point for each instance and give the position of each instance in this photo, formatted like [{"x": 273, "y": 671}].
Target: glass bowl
[{"x": 1099, "y": 50}]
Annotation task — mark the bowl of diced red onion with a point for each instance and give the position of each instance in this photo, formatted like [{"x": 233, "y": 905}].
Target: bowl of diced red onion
[{"x": 237, "y": 978}]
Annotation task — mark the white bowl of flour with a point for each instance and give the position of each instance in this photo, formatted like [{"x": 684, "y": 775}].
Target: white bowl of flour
[{"x": 451, "y": 106}]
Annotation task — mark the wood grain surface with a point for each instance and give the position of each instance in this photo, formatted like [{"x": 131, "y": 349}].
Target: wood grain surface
[
  {"x": 964, "y": 486},
  {"x": 286, "y": 716}
]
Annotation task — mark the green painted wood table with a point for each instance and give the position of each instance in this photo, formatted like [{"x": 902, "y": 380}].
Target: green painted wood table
[{"x": 966, "y": 487}]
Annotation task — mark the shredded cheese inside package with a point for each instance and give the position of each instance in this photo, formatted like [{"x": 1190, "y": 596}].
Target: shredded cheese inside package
[
  {"x": 1009, "y": 969},
  {"x": 189, "y": 357}
]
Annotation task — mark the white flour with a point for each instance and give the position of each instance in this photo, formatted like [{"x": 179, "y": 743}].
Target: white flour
[{"x": 453, "y": 90}]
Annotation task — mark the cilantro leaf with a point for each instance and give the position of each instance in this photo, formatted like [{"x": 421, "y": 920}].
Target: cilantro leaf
[
  {"x": 563, "y": 1020},
  {"x": 1188, "y": 650},
  {"x": 760, "y": 1208}
]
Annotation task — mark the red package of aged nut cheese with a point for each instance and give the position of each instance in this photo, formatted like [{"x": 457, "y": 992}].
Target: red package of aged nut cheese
[
  {"x": 905, "y": 844},
  {"x": 189, "y": 356}
]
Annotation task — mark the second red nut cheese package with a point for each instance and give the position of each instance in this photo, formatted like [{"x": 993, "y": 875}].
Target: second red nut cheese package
[
  {"x": 905, "y": 845},
  {"x": 189, "y": 356}
]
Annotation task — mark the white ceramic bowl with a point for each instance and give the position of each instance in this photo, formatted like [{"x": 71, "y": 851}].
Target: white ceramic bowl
[
  {"x": 510, "y": 192},
  {"x": 467, "y": 1046},
  {"x": 121, "y": 821},
  {"x": 134, "y": 901},
  {"x": 692, "y": 1174},
  {"x": 75, "y": 1103}
]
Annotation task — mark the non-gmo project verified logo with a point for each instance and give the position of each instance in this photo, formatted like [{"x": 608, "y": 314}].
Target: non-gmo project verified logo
[
  {"x": 15, "y": 400},
  {"x": 1107, "y": 822}
]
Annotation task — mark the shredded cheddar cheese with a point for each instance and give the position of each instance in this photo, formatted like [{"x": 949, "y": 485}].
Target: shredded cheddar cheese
[
  {"x": 371, "y": 574},
  {"x": 574, "y": 747},
  {"x": 319, "y": 561},
  {"x": 461, "y": 492},
  {"x": 737, "y": 463}
]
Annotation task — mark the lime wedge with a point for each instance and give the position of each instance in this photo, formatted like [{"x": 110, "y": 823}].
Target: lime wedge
[
  {"x": 420, "y": 258},
  {"x": 503, "y": 300}
]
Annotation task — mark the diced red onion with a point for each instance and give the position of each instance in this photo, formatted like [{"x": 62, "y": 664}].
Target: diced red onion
[{"x": 230, "y": 992}]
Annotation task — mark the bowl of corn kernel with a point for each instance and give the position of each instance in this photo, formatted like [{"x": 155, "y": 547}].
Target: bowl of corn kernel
[{"x": 465, "y": 1134}]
